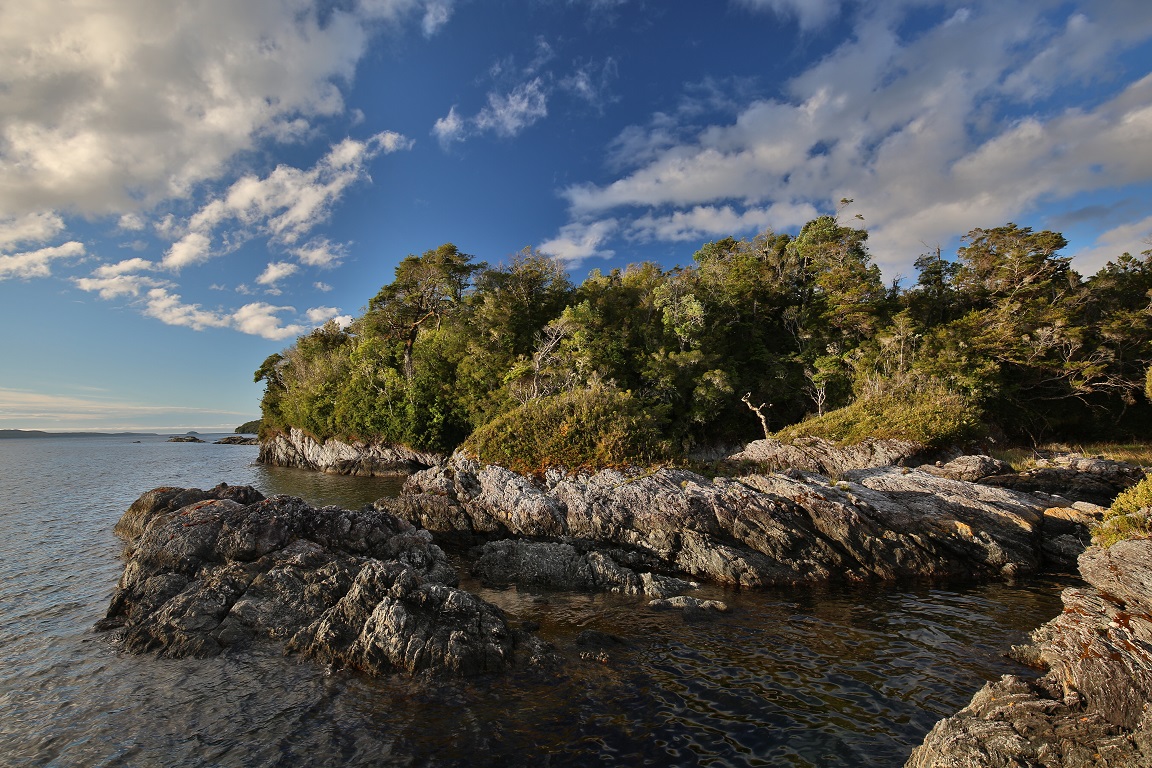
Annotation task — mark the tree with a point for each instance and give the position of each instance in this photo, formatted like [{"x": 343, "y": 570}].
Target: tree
[{"x": 426, "y": 287}]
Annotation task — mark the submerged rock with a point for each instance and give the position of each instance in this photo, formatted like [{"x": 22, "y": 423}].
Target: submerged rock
[
  {"x": 213, "y": 570},
  {"x": 1093, "y": 706}
]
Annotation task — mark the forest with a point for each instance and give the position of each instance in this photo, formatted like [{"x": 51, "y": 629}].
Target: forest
[{"x": 778, "y": 335}]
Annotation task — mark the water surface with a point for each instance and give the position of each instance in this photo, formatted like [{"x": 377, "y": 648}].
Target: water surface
[{"x": 814, "y": 677}]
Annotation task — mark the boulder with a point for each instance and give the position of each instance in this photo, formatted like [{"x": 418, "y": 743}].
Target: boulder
[
  {"x": 969, "y": 468},
  {"x": 815, "y": 454},
  {"x": 221, "y": 569}
]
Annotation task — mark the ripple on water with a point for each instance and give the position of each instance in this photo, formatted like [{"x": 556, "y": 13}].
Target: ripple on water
[{"x": 799, "y": 678}]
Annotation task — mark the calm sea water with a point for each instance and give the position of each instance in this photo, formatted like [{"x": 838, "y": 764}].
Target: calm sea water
[{"x": 821, "y": 677}]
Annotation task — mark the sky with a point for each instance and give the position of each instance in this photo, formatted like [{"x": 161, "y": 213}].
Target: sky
[{"x": 186, "y": 187}]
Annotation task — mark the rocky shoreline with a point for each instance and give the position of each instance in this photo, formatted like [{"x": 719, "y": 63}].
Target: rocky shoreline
[
  {"x": 298, "y": 449},
  {"x": 373, "y": 590},
  {"x": 1092, "y": 706}
]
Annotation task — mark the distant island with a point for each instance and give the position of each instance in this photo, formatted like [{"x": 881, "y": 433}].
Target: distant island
[{"x": 18, "y": 433}]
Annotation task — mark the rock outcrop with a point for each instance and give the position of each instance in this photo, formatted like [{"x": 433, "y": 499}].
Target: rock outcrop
[
  {"x": 1093, "y": 706},
  {"x": 755, "y": 530},
  {"x": 220, "y": 569},
  {"x": 298, "y": 449},
  {"x": 1075, "y": 477},
  {"x": 237, "y": 440},
  {"x": 815, "y": 454}
]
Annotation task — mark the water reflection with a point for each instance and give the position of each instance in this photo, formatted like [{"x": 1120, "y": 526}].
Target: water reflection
[{"x": 320, "y": 489}]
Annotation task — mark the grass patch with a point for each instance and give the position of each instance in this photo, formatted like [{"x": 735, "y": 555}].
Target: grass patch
[
  {"x": 931, "y": 416},
  {"x": 1128, "y": 517},
  {"x": 587, "y": 429}
]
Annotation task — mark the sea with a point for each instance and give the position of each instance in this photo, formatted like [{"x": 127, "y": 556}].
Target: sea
[{"x": 822, "y": 676}]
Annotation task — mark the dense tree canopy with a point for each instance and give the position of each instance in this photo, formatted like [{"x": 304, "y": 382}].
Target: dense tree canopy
[{"x": 800, "y": 324}]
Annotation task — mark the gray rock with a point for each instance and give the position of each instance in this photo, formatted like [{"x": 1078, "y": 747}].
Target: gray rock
[
  {"x": 969, "y": 468},
  {"x": 782, "y": 529},
  {"x": 362, "y": 589},
  {"x": 815, "y": 454},
  {"x": 238, "y": 440},
  {"x": 1075, "y": 477},
  {"x": 298, "y": 449}
]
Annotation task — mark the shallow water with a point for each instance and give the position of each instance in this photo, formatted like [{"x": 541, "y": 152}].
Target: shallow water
[{"x": 814, "y": 677}]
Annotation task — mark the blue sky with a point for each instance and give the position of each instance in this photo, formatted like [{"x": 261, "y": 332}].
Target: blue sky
[{"x": 185, "y": 187}]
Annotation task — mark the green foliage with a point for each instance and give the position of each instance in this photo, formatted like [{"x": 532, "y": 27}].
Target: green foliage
[
  {"x": 800, "y": 324},
  {"x": 926, "y": 413},
  {"x": 249, "y": 428},
  {"x": 585, "y": 429},
  {"x": 1125, "y": 518}
]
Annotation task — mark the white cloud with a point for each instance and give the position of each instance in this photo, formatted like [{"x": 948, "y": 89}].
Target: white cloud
[
  {"x": 124, "y": 267},
  {"x": 449, "y": 128},
  {"x": 923, "y": 132},
  {"x": 708, "y": 221},
  {"x": 321, "y": 253},
  {"x": 284, "y": 205},
  {"x": 64, "y": 411},
  {"x": 111, "y": 281},
  {"x": 321, "y": 315},
  {"x": 256, "y": 319},
  {"x": 507, "y": 114},
  {"x": 107, "y": 106},
  {"x": 275, "y": 272},
  {"x": 809, "y": 14},
  {"x": 30, "y": 228},
  {"x": 581, "y": 240},
  {"x": 132, "y": 222},
  {"x": 170, "y": 309},
  {"x": 260, "y": 319},
  {"x": 436, "y": 15},
  {"x": 37, "y": 263},
  {"x": 322, "y": 287},
  {"x": 193, "y": 248},
  {"x": 1134, "y": 238}
]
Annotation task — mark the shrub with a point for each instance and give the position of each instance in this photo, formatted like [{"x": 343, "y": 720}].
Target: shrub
[
  {"x": 930, "y": 415},
  {"x": 586, "y": 429},
  {"x": 1125, "y": 519}
]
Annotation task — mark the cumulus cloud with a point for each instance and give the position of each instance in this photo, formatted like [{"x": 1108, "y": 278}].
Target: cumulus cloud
[
  {"x": 37, "y": 263},
  {"x": 256, "y": 319},
  {"x": 111, "y": 281},
  {"x": 1134, "y": 237},
  {"x": 112, "y": 105},
  {"x": 581, "y": 240},
  {"x": 284, "y": 205},
  {"x": 30, "y": 228},
  {"x": 275, "y": 272},
  {"x": 321, "y": 253},
  {"x": 932, "y": 135}
]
